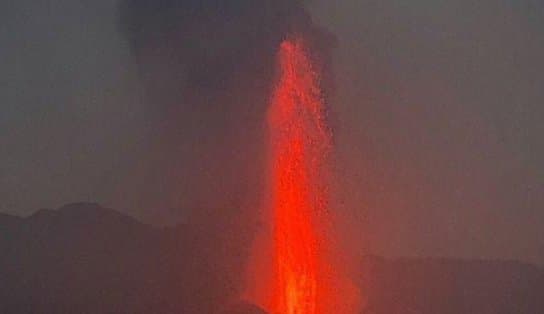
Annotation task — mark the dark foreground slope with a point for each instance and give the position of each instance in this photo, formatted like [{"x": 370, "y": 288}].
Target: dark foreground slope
[
  {"x": 83, "y": 258},
  {"x": 449, "y": 286}
]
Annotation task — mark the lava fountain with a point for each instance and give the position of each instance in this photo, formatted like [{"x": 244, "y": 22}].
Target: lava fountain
[
  {"x": 300, "y": 142},
  {"x": 302, "y": 277}
]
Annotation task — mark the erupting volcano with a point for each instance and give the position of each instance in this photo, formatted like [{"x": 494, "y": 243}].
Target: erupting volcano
[
  {"x": 301, "y": 277},
  {"x": 299, "y": 144}
]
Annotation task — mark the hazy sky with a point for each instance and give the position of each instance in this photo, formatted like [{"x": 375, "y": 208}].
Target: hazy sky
[{"x": 438, "y": 118}]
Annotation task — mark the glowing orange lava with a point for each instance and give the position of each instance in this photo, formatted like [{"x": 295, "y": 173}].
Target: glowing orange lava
[{"x": 300, "y": 142}]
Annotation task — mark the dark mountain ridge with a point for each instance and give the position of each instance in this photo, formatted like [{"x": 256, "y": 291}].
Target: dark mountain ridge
[
  {"x": 83, "y": 258},
  {"x": 446, "y": 285}
]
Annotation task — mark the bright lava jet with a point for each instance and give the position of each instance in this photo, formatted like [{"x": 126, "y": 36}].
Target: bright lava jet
[{"x": 300, "y": 142}]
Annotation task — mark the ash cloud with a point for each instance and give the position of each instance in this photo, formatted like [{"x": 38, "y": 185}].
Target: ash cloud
[
  {"x": 209, "y": 44},
  {"x": 208, "y": 68}
]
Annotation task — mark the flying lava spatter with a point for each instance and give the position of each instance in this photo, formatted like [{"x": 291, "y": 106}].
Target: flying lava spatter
[{"x": 300, "y": 142}]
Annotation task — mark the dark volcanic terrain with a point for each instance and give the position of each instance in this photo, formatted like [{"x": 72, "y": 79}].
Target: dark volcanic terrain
[{"x": 83, "y": 258}]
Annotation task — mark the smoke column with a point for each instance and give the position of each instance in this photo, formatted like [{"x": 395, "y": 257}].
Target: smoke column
[{"x": 214, "y": 71}]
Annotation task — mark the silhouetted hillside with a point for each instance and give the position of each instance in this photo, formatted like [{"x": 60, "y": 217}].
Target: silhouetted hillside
[
  {"x": 83, "y": 258},
  {"x": 449, "y": 286}
]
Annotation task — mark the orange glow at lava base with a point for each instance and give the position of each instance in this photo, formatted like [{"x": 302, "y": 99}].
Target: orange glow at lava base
[{"x": 300, "y": 143}]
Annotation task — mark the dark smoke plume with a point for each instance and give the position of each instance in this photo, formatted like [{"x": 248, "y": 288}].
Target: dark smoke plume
[
  {"x": 208, "y": 67},
  {"x": 211, "y": 40},
  {"x": 212, "y": 46}
]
